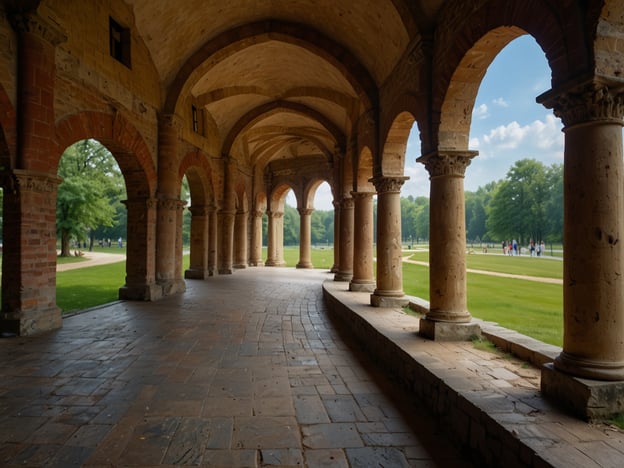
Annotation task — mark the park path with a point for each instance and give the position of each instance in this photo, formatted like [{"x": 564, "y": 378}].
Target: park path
[
  {"x": 539, "y": 279},
  {"x": 93, "y": 259}
]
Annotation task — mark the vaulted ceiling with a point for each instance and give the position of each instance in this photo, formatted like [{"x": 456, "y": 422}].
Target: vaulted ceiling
[{"x": 278, "y": 79}]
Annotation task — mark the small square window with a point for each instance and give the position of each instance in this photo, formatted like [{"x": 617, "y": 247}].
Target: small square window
[{"x": 119, "y": 42}]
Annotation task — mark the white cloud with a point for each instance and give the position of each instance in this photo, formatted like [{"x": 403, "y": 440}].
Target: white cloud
[
  {"x": 500, "y": 102},
  {"x": 544, "y": 135},
  {"x": 480, "y": 112}
]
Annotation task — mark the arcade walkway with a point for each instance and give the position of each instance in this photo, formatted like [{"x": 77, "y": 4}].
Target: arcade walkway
[{"x": 243, "y": 370}]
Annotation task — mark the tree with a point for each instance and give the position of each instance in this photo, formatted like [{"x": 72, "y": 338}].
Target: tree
[
  {"x": 86, "y": 199},
  {"x": 517, "y": 209}
]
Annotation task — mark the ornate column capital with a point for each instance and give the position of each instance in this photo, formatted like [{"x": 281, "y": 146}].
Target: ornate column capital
[
  {"x": 44, "y": 28},
  {"x": 171, "y": 204},
  {"x": 275, "y": 214},
  {"x": 199, "y": 210},
  {"x": 388, "y": 184},
  {"x": 33, "y": 181},
  {"x": 362, "y": 195},
  {"x": 591, "y": 101},
  {"x": 447, "y": 162},
  {"x": 258, "y": 214},
  {"x": 305, "y": 211}
]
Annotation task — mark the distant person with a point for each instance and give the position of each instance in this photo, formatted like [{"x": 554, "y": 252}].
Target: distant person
[
  {"x": 120, "y": 242},
  {"x": 542, "y": 247},
  {"x": 514, "y": 243},
  {"x": 504, "y": 248}
]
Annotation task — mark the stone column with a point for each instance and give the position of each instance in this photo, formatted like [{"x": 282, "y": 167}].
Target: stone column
[
  {"x": 389, "y": 290},
  {"x": 279, "y": 239},
  {"x": 29, "y": 237},
  {"x": 593, "y": 255},
  {"x": 363, "y": 279},
  {"x": 593, "y": 285},
  {"x": 345, "y": 266},
  {"x": 448, "y": 317},
  {"x": 213, "y": 236},
  {"x": 226, "y": 242},
  {"x": 305, "y": 238},
  {"x": 168, "y": 206},
  {"x": 198, "y": 265},
  {"x": 240, "y": 241},
  {"x": 255, "y": 257},
  {"x": 271, "y": 241},
  {"x": 140, "y": 252},
  {"x": 29, "y": 257},
  {"x": 335, "y": 267}
]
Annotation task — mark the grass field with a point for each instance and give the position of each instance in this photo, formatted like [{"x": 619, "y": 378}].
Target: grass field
[{"x": 529, "y": 307}]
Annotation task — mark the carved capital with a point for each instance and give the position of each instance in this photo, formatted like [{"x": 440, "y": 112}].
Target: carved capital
[
  {"x": 31, "y": 181},
  {"x": 44, "y": 28},
  {"x": 171, "y": 204},
  {"x": 200, "y": 210},
  {"x": 140, "y": 204},
  {"x": 258, "y": 214},
  {"x": 389, "y": 184},
  {"x": 348, "y": 203},
  {"x": 275, "y": 214},
  {"x": 593, "y": 101},
  {"x": 362, "y": 195},
  {"x": 447, "y": 163},
  {"x": 305, "y": 211}
]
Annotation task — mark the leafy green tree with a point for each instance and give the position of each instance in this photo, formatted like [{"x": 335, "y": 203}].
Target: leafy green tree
[
  {"x": 92, "y": 187},
  {"x": 553, "y": 206},
  {"x": 476, "y": 212},
  {"x": 291, "y": 225},
  {"x": 517, "y": 209},
  {"x": 317, "y": 227},
  {"x": 421, "y": 219}
]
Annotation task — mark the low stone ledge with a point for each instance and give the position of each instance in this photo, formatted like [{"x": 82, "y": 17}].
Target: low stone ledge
[{"x": 499, "y": 426}]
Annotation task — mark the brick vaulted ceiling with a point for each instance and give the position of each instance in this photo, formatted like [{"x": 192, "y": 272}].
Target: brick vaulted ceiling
[{"x": 277, "y": 79}]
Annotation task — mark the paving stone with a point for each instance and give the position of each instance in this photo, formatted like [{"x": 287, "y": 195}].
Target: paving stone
[
  {"x": 375, "y": 456},
  {"x": 331, "y": 458},
  {"x": 266, "y": 432},
  {"x": 333, "y": 435}
]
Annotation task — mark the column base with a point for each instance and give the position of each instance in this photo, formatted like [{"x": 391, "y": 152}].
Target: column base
[
  {"x": 343, "y": 276},
  {"x": 256, "y": 263},
  {"x": 145, "y": 292},
  {"x": 589, "y": 369},
  {"x": 585, "y": 398},
  {"x": 362, "y": 286},
  {"x": 240, "y": 266},
  {"x": 170, "y": 287},
  {"x": 382, "y": 300},
  {"x": 33, "y": 322},
  {"x": 448, "y": 331},
  {"x": 274, "y": 264},
  {"x": 226, "y": 271},
  {"x": 196, "y": 274},
  {"x": 212, "y": 272},
  {"x": 305, "y": 264},
  {"x": 334, "y": 269}
]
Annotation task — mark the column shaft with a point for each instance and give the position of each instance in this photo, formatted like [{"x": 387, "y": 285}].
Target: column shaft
[
  {"x": 198, "y": 264},
  {"x": 305, "y": 238},
  {"x": 345, "y": 266},
  {"x": 255, "y": 256},
  {"x": 213, "y": 239},
  {"x": 389, "y": 290},
  {"x": 363, "y": 279},
  {"x": 335, "y": 267},
  {"x": 240, "y": 245},
  {"x": 226, "y": 242}
]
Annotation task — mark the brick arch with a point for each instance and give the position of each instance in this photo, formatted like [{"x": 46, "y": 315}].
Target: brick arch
[
  {"x": 302, "y": 35},
  {"x": 469, "y": 39},
  {"x": 8, "y": 131},
  {"x": 121, "y": 138},
  {"x": 393, "y": 152},
  {"x": 197, "y": 169}
]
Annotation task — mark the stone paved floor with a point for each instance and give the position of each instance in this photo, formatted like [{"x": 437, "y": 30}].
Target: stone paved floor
[{"x": 241, "y": 370}]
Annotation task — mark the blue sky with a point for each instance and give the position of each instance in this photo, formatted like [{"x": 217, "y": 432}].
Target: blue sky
[{"x": 507, "y": 123}]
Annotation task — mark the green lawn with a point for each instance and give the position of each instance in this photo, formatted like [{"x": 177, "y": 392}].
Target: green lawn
[{"x": 531, "y": 308}]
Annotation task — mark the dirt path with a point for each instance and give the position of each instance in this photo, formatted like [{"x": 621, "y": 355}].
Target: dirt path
[
  {"x": 494, "y": 273},
  {"x": 93, "y": 259}
]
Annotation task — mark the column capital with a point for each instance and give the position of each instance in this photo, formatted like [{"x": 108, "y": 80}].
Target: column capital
[
  {"x": 199, "y": 210},
  {"x": 258, "y": 214},
  {"x": 33, "y": 23},
  {"x": 594, "y": 100},
  {"x": 389, "y": 184},
  {"x": 171, "y": 204},
  {"x": 305, "y": 211},
  {"x": 34, "y": 181},
  {"x": 362, "y": 195},
  {"x": 149, "y": 203},
  {"x": 275, "y": 214},
  {"x": 447, "y": 162}
]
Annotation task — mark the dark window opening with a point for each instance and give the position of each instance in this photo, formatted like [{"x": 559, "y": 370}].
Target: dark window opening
[
  {"x": 119, "y": 42},
  {"x": 195, "y": 119}
]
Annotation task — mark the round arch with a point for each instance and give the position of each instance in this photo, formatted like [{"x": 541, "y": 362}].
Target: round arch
[
  {"x": 198, "y": 172},
  {"x": 393, "y": 152},
  {"x": 121, "y": 138},
  {"x": 364, "y": 171},
  {"x": 309, "y": 191}
]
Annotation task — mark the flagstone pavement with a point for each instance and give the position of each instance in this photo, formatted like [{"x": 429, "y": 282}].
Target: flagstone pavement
[{"x": 242, "y": 370}]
